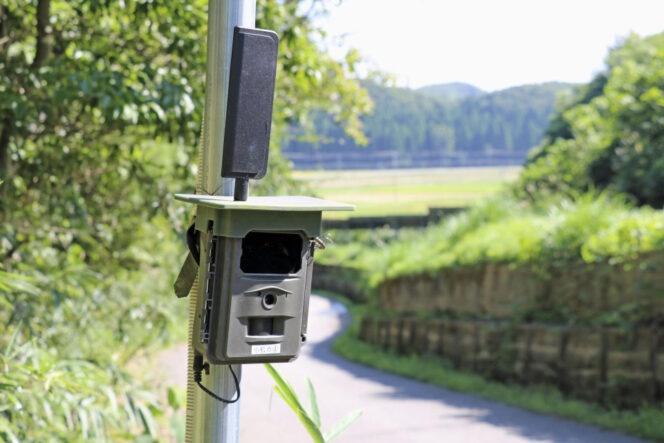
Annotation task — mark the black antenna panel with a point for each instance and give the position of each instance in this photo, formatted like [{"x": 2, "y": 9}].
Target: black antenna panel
[{"x": 250, "y": 100}]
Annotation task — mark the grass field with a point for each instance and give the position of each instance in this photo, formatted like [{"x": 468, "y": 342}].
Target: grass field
[{"x": 407, "y": 191}]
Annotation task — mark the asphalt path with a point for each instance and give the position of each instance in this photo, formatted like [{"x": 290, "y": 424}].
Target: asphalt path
[{"x": 395, "y": 409}]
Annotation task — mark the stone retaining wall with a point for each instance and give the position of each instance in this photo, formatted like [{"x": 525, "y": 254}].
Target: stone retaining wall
[
  {"x": 503, "y": 291},
  {"x": 606, "y": 365}
]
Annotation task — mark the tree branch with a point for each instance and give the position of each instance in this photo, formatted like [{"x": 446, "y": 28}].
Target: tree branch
[{"x": 44, "y": 33}]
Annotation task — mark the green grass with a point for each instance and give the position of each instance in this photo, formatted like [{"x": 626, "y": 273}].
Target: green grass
[
  {"x": 590, "y": 228},
  {"x": 647, "y": 423},
  {"x": 406, "y": 191}
]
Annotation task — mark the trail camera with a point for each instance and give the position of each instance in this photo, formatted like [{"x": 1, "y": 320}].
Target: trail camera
[
  {"x": 255, "y": 254},
  {"x": 255, "y": 275}
]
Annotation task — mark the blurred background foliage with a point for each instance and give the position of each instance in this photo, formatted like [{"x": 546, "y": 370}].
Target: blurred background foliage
[
  {"x": 611, "y": 133},
  {"x": 592, "y": 192},
  {"x": 100, "y": 111}
]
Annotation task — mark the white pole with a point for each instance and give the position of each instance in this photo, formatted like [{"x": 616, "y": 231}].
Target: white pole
[{"x": 209, "y": 420}]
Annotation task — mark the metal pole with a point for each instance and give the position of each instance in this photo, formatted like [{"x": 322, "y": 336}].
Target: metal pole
[{"x": 209, "y": 420}]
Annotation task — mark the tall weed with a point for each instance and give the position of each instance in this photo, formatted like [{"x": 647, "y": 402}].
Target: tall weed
[{"x": 68, "y": 333}]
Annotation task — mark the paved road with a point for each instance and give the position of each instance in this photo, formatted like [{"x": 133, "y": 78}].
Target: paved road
[{"x": 396, "y": 409}]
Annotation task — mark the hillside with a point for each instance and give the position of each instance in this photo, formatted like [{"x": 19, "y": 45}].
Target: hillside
[
  {"x": 451, "y": 92},
  {"x": 419, "y": 129}
]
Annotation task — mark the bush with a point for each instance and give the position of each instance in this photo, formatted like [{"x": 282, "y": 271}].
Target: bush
[
  {"x": 70, "y": 332},
  {"x": 611, "y": 135},
  {"x": 589, "y": 227}
]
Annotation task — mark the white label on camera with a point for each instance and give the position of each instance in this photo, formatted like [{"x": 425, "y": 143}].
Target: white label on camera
[{"x": 265, "y": 349}]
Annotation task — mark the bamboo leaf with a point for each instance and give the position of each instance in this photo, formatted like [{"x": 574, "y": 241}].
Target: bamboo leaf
[
  {"x": 97, "y": 424},
  {"x": 112, "y": 399},
  {"x": 148, "y": 420},
  {"x": 83, "y": 420},
  {"x": 67, "y": 413},
  {"x": 48, "y": 411},
  {"x": 129, "y": 409},
  {"x": 12, "y": 341},
  {"x": 6, "y": 429}
]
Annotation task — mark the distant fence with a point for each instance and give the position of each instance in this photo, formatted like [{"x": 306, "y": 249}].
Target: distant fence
[
  {"x": 359, "y": 159},
  {"x": 392, "y": 221}
]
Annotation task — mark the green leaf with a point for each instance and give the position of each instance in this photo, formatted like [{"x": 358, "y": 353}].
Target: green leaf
[
  {"x": 310, "y": 426},
  {"x": 12, "y": 341},
  {"x": 111, "y": 398},
  {"x": 148, "y": 420},
  {"x": 313, "y": 403},
  {"x": 342, "y": 425},
  {"x": 289, "y": 401},
  {"x": 286, "y": 388},
  {"x": 6, "y": 429},
  {"x": 174, "y": 398},
  {"x": 178, "y": 427},
  {"x": 290, "y": 397},
  {"x": 85, "y": 424},
  {"x": 304, "y": 418}
]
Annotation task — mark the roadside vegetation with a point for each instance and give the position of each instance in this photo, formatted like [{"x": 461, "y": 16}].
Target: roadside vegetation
[
  {"x": 592, "y": 192},
  {"x": 592, "y": 227},
  {"x": 100, "y": 113}
]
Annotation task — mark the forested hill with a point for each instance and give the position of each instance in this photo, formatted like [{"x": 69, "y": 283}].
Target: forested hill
[
  {"x": 411, "y": 122},
  {"x": 451, "y": 91}
]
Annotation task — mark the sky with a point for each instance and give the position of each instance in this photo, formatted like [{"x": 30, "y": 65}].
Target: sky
[{"x": 490, "y": 44}]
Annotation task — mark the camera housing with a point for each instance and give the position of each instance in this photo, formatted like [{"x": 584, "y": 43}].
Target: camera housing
[{"x": 256, "y": 263}]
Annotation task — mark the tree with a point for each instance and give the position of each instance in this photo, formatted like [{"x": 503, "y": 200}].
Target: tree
[
  {"x": 414, "y": 122},
  {"x": 87, "y": 87},
  {"x": 100, "y": 110},
  {"x": 611, "y": 135}
]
